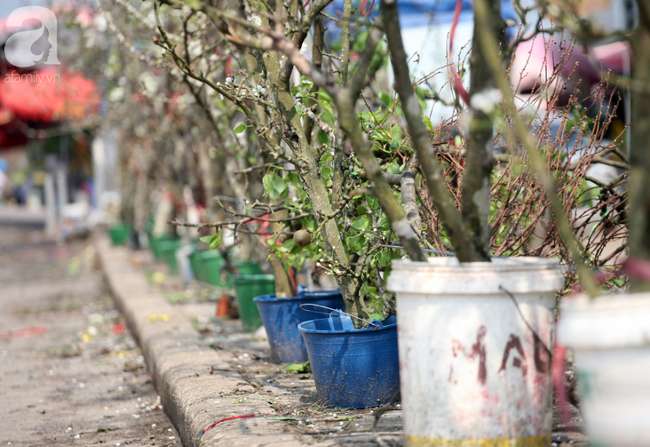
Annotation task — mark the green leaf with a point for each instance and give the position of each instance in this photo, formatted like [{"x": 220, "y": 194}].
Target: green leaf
[
  {"x": 383, "y": 223},
  {"x": 239, "y": 129},
  {"x": 323, "y": 95},
  {"x": 267, "y": 181},
  {"x": 356, "y": 243},
  {"x": 216, "y": 241},
  {"x": 396, "y": 131},
  {"x": 293, "y": 179},
  {"x": 326, "y": 158},
  {"x": 287, "y": 246},
  {"x": 323, "y": 138},
  {"x": 381, "y": 117},
  {"x": 376, "y": 316},
  {"x": 427, "y": 121},
  {"x": 325, "y": 104},
  {"x": 328, "y": 118},
  {"x": 385, "y": 98},
  {"x": 362, "y": 223},
  {"x": 327, "y": 173},
  {"x": 393, "y": 168},
  {"x": 278, "y": 184},
  {"x": 213, "y": 241},
  {"x": 299, "y": 367},
  {"x": 384, "y": 259}
]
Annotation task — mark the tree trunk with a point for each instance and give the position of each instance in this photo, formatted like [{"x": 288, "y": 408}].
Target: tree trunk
[
  {"x": 476, "y": 180},
  {"x": 639, "y": 174}
]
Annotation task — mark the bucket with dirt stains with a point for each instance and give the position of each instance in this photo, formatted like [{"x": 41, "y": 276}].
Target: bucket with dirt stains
[
  {"x": 353, "y": 368},
  {"x": 475, "y": 341}
]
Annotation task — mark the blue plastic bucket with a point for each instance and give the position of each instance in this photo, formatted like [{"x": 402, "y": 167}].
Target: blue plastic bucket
[
  {"x": 353, "y": 368},
  {"x": 281, "y": 317}
]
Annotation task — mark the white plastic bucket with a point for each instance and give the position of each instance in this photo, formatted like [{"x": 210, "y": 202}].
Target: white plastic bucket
[
  {"x": 472, "y": 371},
  {"x": 610, "y": 338}
]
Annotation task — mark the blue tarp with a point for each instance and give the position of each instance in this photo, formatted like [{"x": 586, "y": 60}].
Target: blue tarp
[{"x": 416, "y": 13}]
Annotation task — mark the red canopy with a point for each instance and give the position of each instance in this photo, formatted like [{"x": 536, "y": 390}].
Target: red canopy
[{"x": 48, "y": 95}]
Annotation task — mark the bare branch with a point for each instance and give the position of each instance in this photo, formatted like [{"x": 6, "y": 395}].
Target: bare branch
[{"x": 466, "y": 251}]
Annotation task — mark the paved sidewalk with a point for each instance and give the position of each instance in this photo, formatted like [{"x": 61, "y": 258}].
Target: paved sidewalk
[{"x": 77, "y": 379}]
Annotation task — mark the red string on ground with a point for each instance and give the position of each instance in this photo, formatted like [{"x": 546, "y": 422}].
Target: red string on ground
[
  {"x": 457, "y": 84},
  {"x": 26, "y": 332},
  {"x": 227, "y": 419}
]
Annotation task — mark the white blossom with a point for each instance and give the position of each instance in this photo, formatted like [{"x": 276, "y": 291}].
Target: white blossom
[{"x": 486, "y": 100}]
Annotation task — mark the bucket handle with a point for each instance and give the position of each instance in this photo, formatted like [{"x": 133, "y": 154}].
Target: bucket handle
[{"x": 374, "y": 323}]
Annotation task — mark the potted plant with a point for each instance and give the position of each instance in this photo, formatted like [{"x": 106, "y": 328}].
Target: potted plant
[
  {"x": 608, "y": 332},
  {"x": 313, "y": 210},
  {"x": 490, "y": 379},
  {"x": 356, "y": 183}
]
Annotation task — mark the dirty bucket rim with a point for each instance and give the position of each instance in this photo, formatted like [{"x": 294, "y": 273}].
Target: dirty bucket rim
[{"x": 497, "y": 263}]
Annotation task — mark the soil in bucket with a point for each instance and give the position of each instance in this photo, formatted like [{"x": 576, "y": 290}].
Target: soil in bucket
[
  {"x": 353, "y": 368},
  {"x": 247, "y": 287},
  {"x": 281, "y": 317},
  {"x": 168, "y": 254},
  {"x": 119, "y": 234}
]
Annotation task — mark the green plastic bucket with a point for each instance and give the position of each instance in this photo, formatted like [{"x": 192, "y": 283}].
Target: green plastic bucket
[
  {"x": 195, "y": 263},
  {"x": 247, "y": 287},
  {"x": 156, "y": 241},
  {"x": 168, "y": 254},
  {"x": 119, "y": 233},
  {"x": 248, "y": 268},
  {"x": 211, "y": 264}
]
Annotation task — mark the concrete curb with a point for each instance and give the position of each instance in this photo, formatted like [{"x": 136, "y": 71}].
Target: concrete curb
[{"x": 180, "y": 365}]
